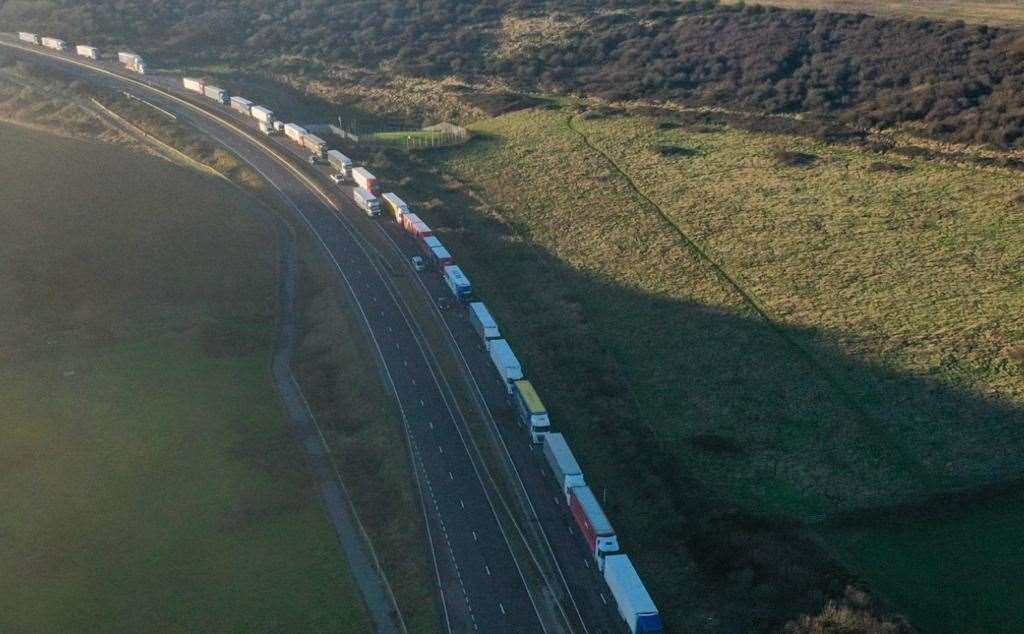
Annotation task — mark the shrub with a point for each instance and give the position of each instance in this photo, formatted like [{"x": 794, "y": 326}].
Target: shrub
[
  {"x": 892, "y": 168},
  {"x": 673, "y": 150},
  {"x": 794, "y": 159}
]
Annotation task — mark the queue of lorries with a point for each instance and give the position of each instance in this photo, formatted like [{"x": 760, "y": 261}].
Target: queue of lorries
[
  {"x": 131, "y": 61},
  {"x": 632, "y": 599}
]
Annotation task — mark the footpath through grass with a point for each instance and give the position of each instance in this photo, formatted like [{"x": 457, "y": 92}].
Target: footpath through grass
[
  {"x": 888, "y": 369},
  {"x": 148, "y": 475}
]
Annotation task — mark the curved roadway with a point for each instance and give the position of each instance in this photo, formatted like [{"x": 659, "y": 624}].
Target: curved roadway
[{"x": 482, "y": 585}]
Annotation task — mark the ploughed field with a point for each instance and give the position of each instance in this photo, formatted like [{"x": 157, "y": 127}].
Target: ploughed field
[
  {"x": 798, "y": 331},
  {"x": 148, "y": 476}
]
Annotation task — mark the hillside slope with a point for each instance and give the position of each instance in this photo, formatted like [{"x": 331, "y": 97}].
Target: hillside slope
[
  {"x": 797, "y": 334},
  {"x": 944, "y": 79}
]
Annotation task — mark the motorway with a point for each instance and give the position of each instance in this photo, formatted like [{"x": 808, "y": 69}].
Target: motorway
[{"x": 482, "y": 585}]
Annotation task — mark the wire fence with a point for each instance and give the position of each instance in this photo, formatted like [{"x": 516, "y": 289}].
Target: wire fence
[{"x": 440, "y": 135}]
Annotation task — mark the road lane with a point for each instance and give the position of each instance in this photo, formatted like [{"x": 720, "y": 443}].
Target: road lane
[{"x": 483, "y": 587}]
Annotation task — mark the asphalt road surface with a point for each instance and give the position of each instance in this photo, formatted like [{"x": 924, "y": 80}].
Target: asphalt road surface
[{"x": 481, "y": 583}]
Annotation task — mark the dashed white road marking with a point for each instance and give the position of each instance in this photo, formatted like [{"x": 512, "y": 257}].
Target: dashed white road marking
[
  {"x": 603, "y": 600},
  {"x": 501, "y": 607},
  {"x": 487, "y": 569}
]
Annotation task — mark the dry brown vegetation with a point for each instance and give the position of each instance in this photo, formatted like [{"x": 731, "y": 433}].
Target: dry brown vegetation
[
  {"x": 855, "y": 613},
  {"x": 953, "y": 81},
  {"x": 995, "y": 12},
  {"x": 50, "y": 104}
]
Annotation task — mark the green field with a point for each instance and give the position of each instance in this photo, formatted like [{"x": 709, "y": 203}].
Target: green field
[
  {"x": 148, "y": 474},
  {"x": 958, "y": 571},
  {"x": 800, "y": 342}
]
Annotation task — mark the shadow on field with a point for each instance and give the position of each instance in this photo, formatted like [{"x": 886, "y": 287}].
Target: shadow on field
[{"x": 720, "y": 442}]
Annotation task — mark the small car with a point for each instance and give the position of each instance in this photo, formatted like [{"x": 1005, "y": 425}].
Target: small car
[
  {"x": 315, "y": 160},
  {"x": 337, "y": 179},
  {"x": 443, "y": 303},
  {"x": 418, "y": 263}
]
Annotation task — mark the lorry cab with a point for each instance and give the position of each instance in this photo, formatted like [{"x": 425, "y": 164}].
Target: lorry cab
[
  {"x": 606, "y": 545},
  {"x": 532, "y": 412}
]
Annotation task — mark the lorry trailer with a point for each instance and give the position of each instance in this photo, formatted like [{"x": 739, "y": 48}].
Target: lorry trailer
[
  {"x": 315, "y": 144},
  {"x": 366, "y": 201},
  {"x": 414, "y": 225},
  {"x": 594, "y": 524},
  {"x": 31, "y": 38},
  {"x": 396, "y": 206},
  {"x": 90, "y": 52},
  {"x": 266, "y": 115},
  {"x": 457, "y": 283},
  {"x": 631, "y": 597},
  {"x": 484, "y": 325},
  {"x": 294, "y": 132},
  {"x": 427, "y": 244},
  {"x": 194, "y": 85},
  {"x": 132, "y": 62},
  {"x": 505, "y": 362},
  {"x": 54, "y": 43},
  {"x": 365, "y": 179},
  {"x": 409, "y": 221},
  {"x": 343, "y": 165},
  {"x": 531, "y": 410},
  {"x": 242, "y": 105},
  {"x": 441, "y": 257},
  {"x": 563, "y": 464},
  {"x": 216, "y": 93},
  {"x": 420, "y": 229}
]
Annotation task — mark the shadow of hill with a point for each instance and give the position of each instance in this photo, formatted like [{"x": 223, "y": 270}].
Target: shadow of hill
[{"x": 716, "y": 445}]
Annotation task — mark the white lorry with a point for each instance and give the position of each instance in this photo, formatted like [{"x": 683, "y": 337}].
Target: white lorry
[{"x": 366, "y": 201}]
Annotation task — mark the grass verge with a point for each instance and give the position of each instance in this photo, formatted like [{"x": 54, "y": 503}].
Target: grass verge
[{"x": 148, "y": 476}]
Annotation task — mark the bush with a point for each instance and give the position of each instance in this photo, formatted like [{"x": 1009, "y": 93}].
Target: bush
[
  {"x": 787, "y": 158},
  {"x": 891, "y": 168},
  {"x": 855, "y": 613},
  {"x": 673, "y": 150}
]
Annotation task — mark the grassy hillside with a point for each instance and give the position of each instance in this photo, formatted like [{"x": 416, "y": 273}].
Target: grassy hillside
[
  {"x": 800, "y": 332},
  {"x": 148, "y": 475}
]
